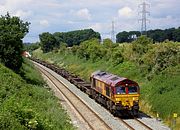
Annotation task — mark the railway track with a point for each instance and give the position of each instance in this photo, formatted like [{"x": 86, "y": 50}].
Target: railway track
[
  {"x": 135, "y": 124},
  {"x": 89, "y": 116},
  {"x": 146, "y": 126}
]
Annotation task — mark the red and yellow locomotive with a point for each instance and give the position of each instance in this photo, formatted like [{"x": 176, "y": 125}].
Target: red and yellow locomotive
[{"x": 118, "y": 94}]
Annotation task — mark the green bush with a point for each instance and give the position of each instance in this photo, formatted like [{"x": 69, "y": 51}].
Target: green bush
[
  {"x": 143, "y": 42},
  {"x": 116, "y": 56},
  {"x": 162, "y": 56}
]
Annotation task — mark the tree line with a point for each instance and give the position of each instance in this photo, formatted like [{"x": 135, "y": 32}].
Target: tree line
[
  {"x": 158, "y": 35},
  {"x": 50, "y": 41}
]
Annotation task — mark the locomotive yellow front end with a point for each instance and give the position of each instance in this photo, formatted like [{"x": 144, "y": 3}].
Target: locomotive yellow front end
[{"x": 126, "y": 97}]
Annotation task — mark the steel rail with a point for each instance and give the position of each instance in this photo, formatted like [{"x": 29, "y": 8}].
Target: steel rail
[
  {"x": 146, "y": 126},
  {"x": 127, "y": 125},
  {"x": 84, "y": 118}
]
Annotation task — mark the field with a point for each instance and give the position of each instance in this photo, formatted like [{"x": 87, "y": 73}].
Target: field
[{"x": 27, "y": 103}]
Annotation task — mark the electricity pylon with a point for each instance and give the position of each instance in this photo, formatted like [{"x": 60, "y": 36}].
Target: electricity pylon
[{"x": 144, "y": 19}]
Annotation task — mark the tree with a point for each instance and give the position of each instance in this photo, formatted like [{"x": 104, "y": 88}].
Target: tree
[
  {"x": 157, "y": 35},
  {"x": 122, "y": 37},
  {"x": 127, "y": 36},
  {"x": 48, "y": 42},
  {"x": 12, "y": 31},
  {"x": 31, "y": 46},
  {"x": 76, "y": 37},
  {"x": 177, "y": 35}
]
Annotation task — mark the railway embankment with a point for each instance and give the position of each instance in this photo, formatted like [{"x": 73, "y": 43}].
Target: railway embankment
[
  {"x": 157, "y": 71},
  {"x": 27, "y": 103}
]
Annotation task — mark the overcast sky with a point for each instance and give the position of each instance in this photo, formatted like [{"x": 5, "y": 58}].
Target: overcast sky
[{"x": 67, "y": 15}]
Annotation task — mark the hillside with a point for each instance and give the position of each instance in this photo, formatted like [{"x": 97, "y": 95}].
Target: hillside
[
  {"x": 154, "y": 66},
  {"x": 25, "y": 103}
]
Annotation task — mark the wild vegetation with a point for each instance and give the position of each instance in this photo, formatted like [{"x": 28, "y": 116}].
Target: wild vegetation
[
  {"x": 26, "y": 105},
  {"x": 158, "y": 35},
  {"x": 154, "y": 66}
]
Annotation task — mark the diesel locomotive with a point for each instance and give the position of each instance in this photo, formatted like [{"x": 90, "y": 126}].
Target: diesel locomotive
[{"x": 120, "y": 95}]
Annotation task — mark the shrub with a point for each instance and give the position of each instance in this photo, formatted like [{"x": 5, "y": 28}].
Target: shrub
[
  {"x": 140, "y": 46},
  {"x": 162, "y": 56},
  {"x": 116, "y": 56}
]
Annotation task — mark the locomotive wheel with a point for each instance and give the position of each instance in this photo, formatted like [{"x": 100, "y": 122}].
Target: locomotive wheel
[
  {"x": 135, "y": 112},
  {"x": 112, "y": 108},
  {"x": 93, "y": 94},
  {"x": 108, "y": 105}
]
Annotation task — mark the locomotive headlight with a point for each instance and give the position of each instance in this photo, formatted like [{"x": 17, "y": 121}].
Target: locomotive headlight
[{"x": 134, "y": 98}]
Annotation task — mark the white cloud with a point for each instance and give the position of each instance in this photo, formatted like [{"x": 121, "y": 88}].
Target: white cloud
[
  {"x": 101, "y": 27},
  {"x": 97, "y": 27},
  {"x": 44, "y": 23},
  {"x": 23, "y": 14},
  {"x": 15, "y": 4},
  {"x": 163, "y": 23},
  {"x": 84, "y": 14},
  {"x": 71, "y": 22},
  {"x": 125, "y": 12}
]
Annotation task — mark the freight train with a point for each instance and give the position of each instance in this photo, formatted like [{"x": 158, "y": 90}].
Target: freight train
[{"x": 118, "y": 94}]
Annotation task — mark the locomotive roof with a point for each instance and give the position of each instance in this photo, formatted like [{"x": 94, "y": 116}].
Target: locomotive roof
[{"x": 108, "y": 78}]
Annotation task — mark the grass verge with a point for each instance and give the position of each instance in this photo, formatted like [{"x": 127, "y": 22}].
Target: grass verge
[{"x": 26, "y": 104}]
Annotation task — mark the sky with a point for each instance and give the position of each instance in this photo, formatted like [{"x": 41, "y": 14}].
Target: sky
[{"x": 68, "y": 15}]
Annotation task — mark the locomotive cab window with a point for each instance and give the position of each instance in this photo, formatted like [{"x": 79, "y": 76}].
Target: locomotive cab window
[
  {"x": 132, "y": 89},
  {"x": 107, "y": 91},
  {"x": 120, "y": 90}
]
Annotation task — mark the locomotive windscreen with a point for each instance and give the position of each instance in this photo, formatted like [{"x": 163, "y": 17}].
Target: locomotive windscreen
[
  {"x": 132, "y": 89},
  {"x": 120, "y": 90},
  {"x": 126, "y": 90}
]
